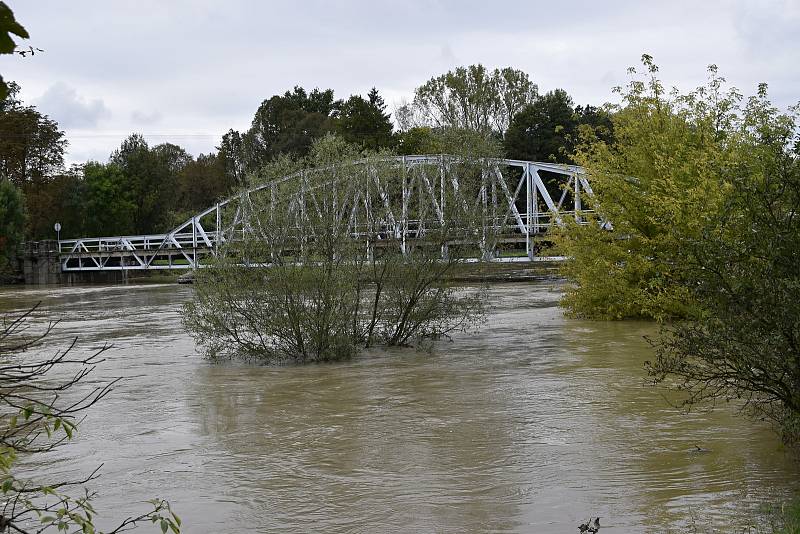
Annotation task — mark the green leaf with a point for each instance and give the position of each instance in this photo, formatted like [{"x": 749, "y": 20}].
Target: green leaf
[
  {"x": 164, "y": 526},
  {"x": 9, "y": 25}
]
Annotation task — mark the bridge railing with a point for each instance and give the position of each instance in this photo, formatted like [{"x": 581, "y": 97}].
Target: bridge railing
[
  {"x": 154, "y": 242},
  {"x": 133, "y": 242}
]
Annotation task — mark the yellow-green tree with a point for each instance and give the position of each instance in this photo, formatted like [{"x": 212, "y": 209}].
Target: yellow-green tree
[{"x": 658, "y": 183}]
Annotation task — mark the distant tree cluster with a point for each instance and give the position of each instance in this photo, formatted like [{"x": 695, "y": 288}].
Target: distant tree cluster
[
  {"x": 141, "y": 189},
  {"x": 548, "y": 128},
  {"x": 289, "y": 124},
  {"x": 503, "y": 105}
]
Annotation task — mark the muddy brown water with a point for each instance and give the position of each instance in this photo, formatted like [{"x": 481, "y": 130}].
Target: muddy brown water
[{"x": 532, "y": 424}]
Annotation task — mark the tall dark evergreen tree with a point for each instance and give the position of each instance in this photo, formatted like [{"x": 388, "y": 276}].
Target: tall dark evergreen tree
[
  {"x": 548, "y": 129},
  {"x": 364, "y": 121},
  {"x": 543, "y": 130}
]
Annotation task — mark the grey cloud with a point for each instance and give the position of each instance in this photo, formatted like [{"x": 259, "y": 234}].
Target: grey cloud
[
  {"x": 210, "y": 63},
  {"x": 447, "y": 55},
  {"x": 145, "y": 118},
  {"x": 762, "y": 31},
  {"x": 69, "y": 109}
]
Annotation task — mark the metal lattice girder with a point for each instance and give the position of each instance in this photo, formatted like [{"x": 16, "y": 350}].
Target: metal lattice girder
[{"x": 407, "y": 197}]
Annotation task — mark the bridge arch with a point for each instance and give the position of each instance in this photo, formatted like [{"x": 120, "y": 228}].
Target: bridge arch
[{"x": 517, "y": 200}]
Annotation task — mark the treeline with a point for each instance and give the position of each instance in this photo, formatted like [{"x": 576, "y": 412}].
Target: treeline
[{"x": 148, "y": 189}]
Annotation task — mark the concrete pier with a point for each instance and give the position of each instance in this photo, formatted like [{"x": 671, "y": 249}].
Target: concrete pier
[{"x": 40, "y": 263}]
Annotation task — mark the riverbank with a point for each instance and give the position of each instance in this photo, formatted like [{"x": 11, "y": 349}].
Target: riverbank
[
  {"x": 480, "y": 272},
  {"x": 520, "y": 270}
]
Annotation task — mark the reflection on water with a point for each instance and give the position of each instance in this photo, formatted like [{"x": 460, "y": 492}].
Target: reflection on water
[{"x": 530, "y": 425}]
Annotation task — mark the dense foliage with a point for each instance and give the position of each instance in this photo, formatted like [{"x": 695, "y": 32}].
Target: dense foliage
[
  {"x": 659, "y": 183},
  {"x": 289, "y": 124},
  {"x": 547, "y": 129},
  {"x": 31, "y": 145},
  {"x": 364, "y": 122},
  {"x": 12, "y": 220}
]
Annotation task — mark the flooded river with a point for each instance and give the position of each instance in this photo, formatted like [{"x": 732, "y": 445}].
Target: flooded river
[{"x": 532, "y": 424}]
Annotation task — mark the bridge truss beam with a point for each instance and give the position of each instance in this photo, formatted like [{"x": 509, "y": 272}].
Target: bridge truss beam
[{"x": 398, "y": 199}]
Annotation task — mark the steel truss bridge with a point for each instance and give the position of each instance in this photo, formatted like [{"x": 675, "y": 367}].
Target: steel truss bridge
[{"x": 399, "y": 199}]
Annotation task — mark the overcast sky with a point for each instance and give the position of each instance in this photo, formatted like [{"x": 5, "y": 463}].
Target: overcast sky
[{"x": 186, "y": 71}]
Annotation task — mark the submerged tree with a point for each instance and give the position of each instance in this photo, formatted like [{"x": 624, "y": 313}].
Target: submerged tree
[
  {"x": 40, "y": 410},
  {"x": 322, "y": 274}
]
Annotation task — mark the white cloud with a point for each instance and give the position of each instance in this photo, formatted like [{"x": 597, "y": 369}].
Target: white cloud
[{"x": 69, "y": 109}]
